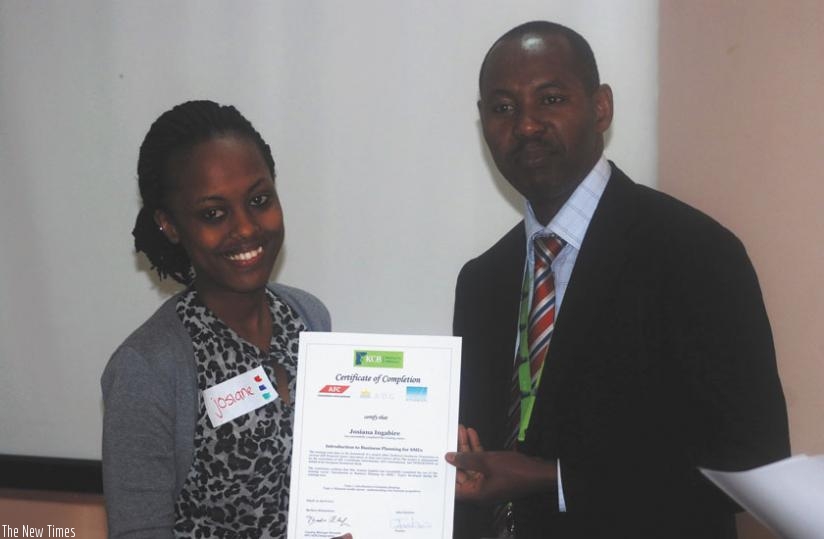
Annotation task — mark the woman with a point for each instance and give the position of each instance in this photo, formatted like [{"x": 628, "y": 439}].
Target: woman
[{"x": 211, "y": 220}]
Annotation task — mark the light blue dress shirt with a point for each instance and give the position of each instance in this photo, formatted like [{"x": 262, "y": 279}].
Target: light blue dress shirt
[{"x": 570, "y": 224}]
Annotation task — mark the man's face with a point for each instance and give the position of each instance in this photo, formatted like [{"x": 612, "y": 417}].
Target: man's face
[{"x": 543, "y": 128}]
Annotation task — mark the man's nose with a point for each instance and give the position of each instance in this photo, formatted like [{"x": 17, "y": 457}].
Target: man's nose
[{"x": 527, "y": 125}]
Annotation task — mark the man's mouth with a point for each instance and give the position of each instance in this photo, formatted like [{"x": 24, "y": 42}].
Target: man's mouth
[{"x": 533, "y": 153}]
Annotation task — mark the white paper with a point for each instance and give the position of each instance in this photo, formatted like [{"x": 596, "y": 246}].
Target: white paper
[
  {"x": 786, "y": 496},
  {"x": 374, "y": 416}
]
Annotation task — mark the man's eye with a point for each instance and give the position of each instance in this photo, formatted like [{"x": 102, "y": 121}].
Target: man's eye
[
  {"x": 260, "y": 200},
  {"x": 502, "y": 108},
  {"x": 212, "y": 214},
  {"x": 552, "y": 99}
]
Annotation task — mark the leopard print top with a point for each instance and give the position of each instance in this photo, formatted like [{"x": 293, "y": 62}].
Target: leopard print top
[{"x": 238, "y": 485}]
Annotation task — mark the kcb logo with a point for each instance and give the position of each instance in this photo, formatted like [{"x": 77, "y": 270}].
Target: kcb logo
[{"x": 378, "y": 358}]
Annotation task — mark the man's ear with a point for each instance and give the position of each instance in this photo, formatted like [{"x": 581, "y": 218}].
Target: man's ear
[
  {"x": 167, "y": 226},
  {"x": 602, "y": 98}
]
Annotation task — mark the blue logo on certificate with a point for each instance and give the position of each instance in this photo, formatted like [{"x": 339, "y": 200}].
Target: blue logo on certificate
[{"x": 415, "y": 393}]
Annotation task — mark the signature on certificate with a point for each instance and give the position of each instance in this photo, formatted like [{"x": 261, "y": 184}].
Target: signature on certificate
[
  {"x": 341, "y": 521},
  {"x": 409, "y": 523}
]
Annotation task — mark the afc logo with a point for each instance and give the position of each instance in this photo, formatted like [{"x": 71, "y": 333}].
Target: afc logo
[{"x": 333, "y": 389}]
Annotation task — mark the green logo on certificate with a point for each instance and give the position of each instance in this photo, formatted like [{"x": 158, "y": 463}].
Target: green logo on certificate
[{"x": 376, "y": 358}]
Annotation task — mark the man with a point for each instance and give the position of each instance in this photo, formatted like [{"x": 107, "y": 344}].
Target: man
[{"x": 659, "y": 358}]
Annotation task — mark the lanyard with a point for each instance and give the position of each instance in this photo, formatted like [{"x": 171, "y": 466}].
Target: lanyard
[{"x": 528, "y": 390}]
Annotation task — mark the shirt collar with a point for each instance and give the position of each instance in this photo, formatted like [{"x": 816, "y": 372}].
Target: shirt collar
[{"x": 572, "y": 220}]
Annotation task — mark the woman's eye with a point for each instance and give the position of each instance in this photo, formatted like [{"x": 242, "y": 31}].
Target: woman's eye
[
  {"x": 260, "y": 200},
  {"x": 212, "y": 214}
]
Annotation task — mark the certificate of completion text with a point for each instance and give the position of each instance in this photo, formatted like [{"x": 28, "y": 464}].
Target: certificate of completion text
[{"x": 374, "y": 415}]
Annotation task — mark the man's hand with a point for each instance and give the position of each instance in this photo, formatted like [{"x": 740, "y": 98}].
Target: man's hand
[
  {"x": 496, "y": 476},
  {"x": 468, "y": 442}
]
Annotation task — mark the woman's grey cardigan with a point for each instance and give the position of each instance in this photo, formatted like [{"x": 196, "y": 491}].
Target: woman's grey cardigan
[{"x": 150, "y": 399}]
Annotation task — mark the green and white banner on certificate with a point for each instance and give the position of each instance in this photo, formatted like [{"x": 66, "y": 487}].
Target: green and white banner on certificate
[{"x": 374, "y": 415}]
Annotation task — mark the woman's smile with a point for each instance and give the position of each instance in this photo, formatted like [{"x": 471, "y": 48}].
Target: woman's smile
[{"x": 248, "y": 257}]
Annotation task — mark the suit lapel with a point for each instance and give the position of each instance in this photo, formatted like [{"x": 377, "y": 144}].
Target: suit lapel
[
  {"x": 596, "y": 274},
  {"x": 508, "y": 293}
]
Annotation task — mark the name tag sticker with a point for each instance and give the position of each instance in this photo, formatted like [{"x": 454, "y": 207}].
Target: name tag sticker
[{"x": 237, "y": 396}]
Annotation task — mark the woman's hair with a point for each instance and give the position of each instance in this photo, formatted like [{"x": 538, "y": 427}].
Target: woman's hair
[{"x": 175, "y": 131}]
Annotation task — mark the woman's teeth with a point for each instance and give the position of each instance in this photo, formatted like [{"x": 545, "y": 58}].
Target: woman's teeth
[{"x": 248, "y": 255}]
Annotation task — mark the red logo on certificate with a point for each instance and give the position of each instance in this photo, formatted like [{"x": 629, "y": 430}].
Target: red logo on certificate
[{"x": 334, "y": 389}]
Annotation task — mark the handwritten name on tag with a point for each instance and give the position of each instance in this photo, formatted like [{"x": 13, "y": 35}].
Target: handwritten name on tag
[{"x": 237, "y": 396}]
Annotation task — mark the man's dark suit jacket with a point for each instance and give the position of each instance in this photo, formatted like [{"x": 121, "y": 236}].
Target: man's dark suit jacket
[{"x": 662, "y": 360}]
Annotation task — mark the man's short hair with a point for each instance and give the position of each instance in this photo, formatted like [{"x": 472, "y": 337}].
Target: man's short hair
[{"x": 584, "y": 58}]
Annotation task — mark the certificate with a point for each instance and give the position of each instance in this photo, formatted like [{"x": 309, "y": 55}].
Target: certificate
[{"x": 374, "y": 415}]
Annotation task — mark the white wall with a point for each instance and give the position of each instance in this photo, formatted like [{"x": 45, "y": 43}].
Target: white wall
[{"x": 369, "y": 107}]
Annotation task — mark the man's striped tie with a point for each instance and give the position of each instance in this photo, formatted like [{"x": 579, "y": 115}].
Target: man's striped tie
[{"x": 541, "y": 322}]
